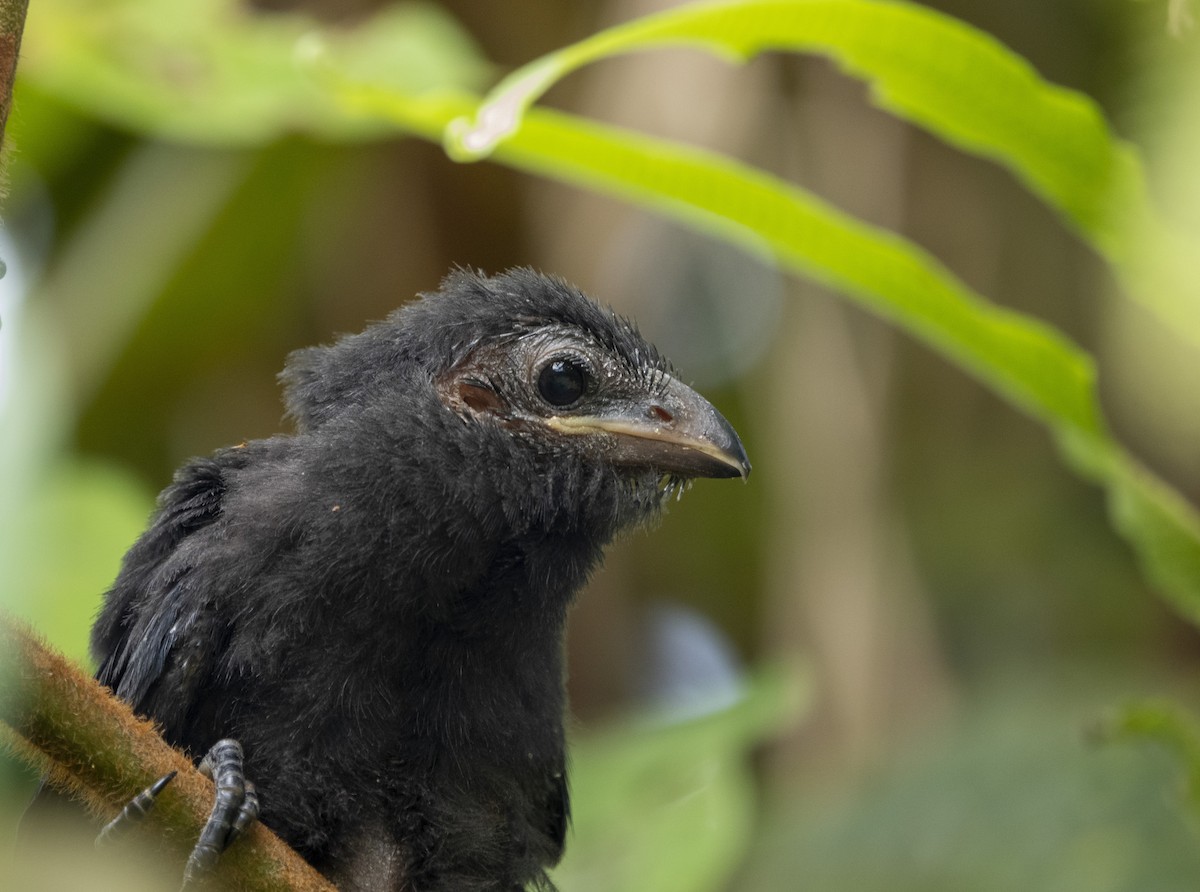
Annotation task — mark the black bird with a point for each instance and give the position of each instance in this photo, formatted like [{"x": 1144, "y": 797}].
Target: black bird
[{"x": 374, "y": 606}]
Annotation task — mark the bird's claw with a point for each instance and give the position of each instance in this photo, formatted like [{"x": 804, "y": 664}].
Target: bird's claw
[
  {"x": 235, "y": 808},
  {"x": 133, "y": 813}
]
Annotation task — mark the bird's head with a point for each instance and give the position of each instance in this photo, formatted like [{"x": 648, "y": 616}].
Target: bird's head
[{"x": 541, "y": 383}]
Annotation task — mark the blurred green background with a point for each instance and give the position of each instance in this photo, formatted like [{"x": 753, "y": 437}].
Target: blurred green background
[{"x": 910, "y": 560}]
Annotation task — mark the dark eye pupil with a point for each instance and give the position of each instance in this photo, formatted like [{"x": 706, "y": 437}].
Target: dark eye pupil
[{"x": 562, "y": 382}]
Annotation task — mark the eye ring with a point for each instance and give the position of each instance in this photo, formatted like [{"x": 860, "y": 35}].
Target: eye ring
[{"x": 563, "y": 381}]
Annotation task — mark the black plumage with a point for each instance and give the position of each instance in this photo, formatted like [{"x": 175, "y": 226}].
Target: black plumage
[{"x": 374, "y": 606}]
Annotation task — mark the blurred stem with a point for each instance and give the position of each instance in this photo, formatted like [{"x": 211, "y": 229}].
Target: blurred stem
[
  {"x": 841, "y": 583},
  {"x": 1179, "y": 17},
  {"x": 161, "y": 203},
  {"x": 12, "y": 25},
  {"x": 92, "y": 745}
]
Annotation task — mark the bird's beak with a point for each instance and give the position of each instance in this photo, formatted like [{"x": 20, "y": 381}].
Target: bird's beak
[{"x": 678, "y": 432}]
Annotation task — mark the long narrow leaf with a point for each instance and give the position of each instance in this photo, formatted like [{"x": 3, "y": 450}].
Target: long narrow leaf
[
  {"x": 959, "y": 83},
  {"x": 210, "y": 72}
]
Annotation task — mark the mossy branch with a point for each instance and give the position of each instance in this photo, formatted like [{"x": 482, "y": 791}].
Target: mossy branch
[
  {"x": 12, "y": 26},
  {"x": 91, "y": 744}
]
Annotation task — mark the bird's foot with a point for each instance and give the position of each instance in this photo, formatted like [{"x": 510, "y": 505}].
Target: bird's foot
[
  {"x": 133, "y": 813},
  {"x": 235, "y": 809}
]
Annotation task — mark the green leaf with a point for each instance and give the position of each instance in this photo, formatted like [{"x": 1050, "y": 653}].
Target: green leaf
[
  {"x": 1170, "y": 726},
  {"x": 1007, "y": 795},
  {"x": 935, "y": 71},
  {"x": 214, "y": 72},
  {"x": 671, "y": 808},
  {"x": 63, "y": 552}
]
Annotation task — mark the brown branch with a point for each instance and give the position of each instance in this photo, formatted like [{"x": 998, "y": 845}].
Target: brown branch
[
  {"x": 92, "y": 745},
  {"x": 12, "y": 26}
]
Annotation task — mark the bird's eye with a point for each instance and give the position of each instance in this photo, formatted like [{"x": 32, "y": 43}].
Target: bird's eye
[{"x": 562, "y": 381}]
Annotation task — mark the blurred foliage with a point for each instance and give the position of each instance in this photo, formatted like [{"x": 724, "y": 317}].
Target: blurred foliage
[
  {"x": 214, "y": 72},
  {"x": 90, "y": 511},
  {"x": 1008, "y": 798},
  {"x": 1165, "y": 723},
  {"x": 192, "y": 198},
  {"x": 670, "y": 806}
]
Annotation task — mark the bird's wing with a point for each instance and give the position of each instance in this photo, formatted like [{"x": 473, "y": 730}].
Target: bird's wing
[
  {"x": 134, "y": 648},
  {"x": 155, "y": 622}
]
